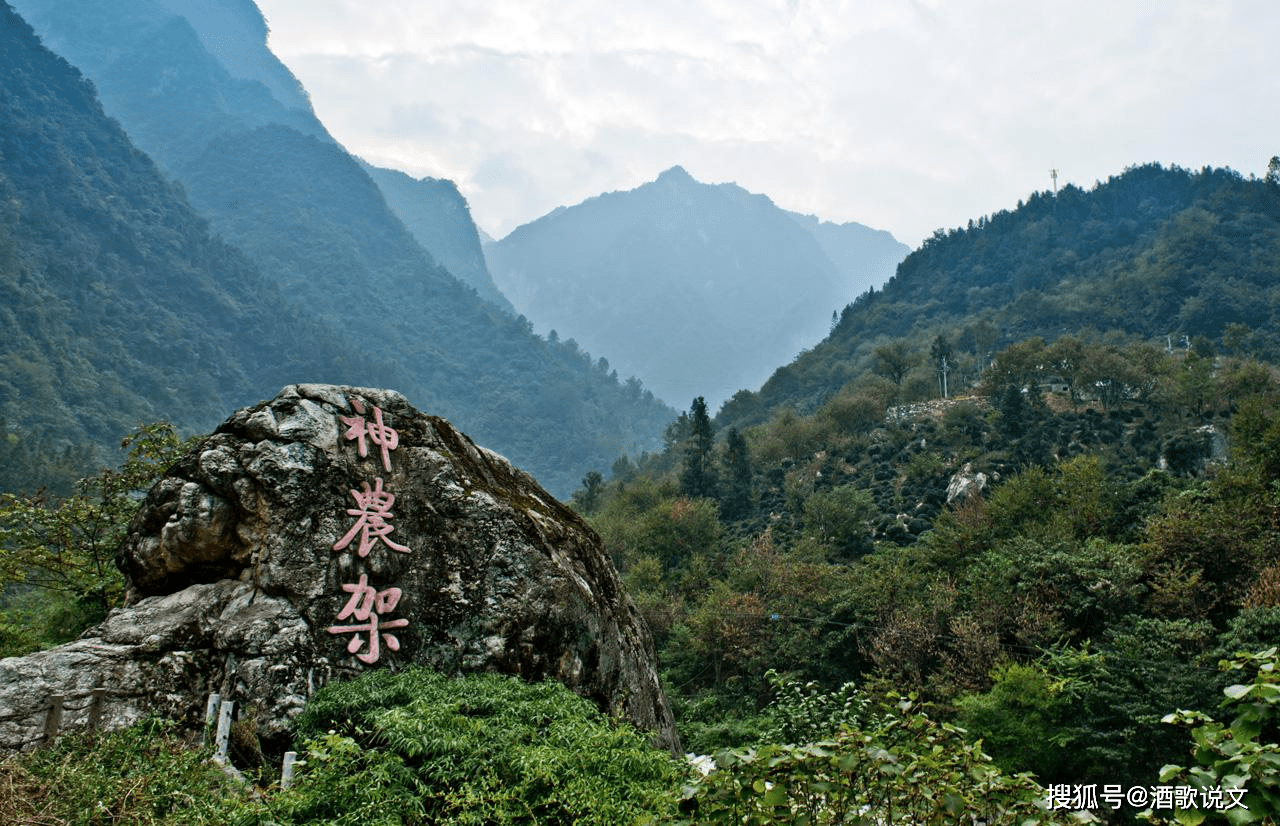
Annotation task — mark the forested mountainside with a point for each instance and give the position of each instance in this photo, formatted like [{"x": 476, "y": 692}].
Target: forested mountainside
[
  {"x": 438, "y": 216},
  {"x": 155, "y": 75},
  {"x": 1035, "y": 480},
  {"x": 1160, "y": 253},
  {"x": 695, "y": 288},
  {"x": 1055, "y": 565},
  {"x": 119, "y": 306},
  {"x": 273, "y": 183}
]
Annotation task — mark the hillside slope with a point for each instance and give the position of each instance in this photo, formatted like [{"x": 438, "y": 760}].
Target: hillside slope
[
  {"x": 118, "y": 305},
  {"x": 438, "y": 216},
  {"x": 1162, "y": 254}
]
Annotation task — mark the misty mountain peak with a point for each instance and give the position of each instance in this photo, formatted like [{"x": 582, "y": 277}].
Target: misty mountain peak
[
  {"x": 664, "y": 278},
  {"x": 676, "y": 176}
]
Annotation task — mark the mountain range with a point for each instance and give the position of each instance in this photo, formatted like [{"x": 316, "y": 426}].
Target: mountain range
[
  {"x": 235, "y": 130},
  {"x": 694, "y": 288},
  {"x": 198, "y": 240}
]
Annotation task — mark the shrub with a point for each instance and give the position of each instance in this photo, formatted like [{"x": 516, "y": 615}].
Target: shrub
[
  {"x": 1242, "y": 754},
  {"x": 902, "y": 768},
  {"x": 140, "y": 775},
  {"x": 420, "y": 747}
]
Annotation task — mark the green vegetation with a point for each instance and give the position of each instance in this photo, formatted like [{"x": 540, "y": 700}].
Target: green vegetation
[
  {"x": 1061, "y": 614},
  {"x": 57, "y": 554},
  {"x": 1244, "y": 754},
  {"x": 1155, "y": 253},
  {"x": 902, "y": 767},
  {"x": 419, "y": 747},
  {"x": 143, "y": 775},
  {"x": 416, "y": 747},
  {"x": 1116, "y": 553}
]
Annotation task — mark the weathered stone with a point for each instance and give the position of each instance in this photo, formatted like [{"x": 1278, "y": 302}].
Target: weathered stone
[
  {"x": 964, "y": 484},
  {"x": 236, "y": 571}
]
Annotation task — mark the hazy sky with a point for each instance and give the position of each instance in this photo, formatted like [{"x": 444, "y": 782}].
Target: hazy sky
[{"x": 906, "y": 115}]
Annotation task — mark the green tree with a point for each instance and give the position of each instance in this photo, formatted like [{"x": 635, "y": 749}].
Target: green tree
[
  {"x": 838, "y": 518},
  {"x": 735, "y": 502},
  {"x": 648, "y": 520},
  {"x": 587, "y": 499},
  {"x": 68, "y": 546},
  {"x": 699, "y": 476},
  {"x": 1019, "y": 720},
  {"x": 1068, "y": 357},
  {"x": 1018, "y": 365},
  {"x": 894, "y": 361}
]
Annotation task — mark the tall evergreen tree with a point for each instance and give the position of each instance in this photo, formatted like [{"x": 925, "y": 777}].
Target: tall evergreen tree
[
  {"x": 587, "y": 498},
  {"x": 736, "y": 500},
  {"x": 699, "y": 476}
]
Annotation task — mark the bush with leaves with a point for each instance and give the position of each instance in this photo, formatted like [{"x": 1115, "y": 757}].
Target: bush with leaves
[
  {"x": 65, "y": 548},
  {"x": 420, "y": 747},
  {"x": 902, "y": 767},
  {"x": 1242, "y": 754},
  {"x": 804, "y": 712},
  {"x": 141, "y": 775}
]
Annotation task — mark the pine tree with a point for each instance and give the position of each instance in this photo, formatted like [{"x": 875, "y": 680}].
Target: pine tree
[
  {"x": 587, "y": 499},
  {"x": 699, "y": 476},
  {"x": 736, "y": 502}
]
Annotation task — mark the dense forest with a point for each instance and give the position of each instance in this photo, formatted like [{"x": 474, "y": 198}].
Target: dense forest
[
  {"x": 1055, "y": 566},
  {"x": 1161, "y": 253}
]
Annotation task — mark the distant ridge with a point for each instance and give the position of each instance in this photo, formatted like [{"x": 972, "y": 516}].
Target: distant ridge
[
  {"x": 438, "y": 216},
  {"x": 695, "y": 288}
]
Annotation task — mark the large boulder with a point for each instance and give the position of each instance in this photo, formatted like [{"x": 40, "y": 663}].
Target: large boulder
[
  {"x": 330, "y": 531},
  {"x": 965, "y": 484}
]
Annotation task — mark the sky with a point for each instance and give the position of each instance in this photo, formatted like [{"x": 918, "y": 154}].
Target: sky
[{"x": 904, "y": 115}]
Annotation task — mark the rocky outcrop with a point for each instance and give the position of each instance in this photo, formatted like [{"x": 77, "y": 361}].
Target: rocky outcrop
[
  {"x": 326, "y": 532},
  {"x": 965, "y": 484}
]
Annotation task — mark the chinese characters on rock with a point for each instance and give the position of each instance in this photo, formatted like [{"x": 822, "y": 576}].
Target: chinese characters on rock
[
  {"x": 367, "y": 605},
  {"x": 380, "y": 434},
  {"x": 373, "y": 509}
]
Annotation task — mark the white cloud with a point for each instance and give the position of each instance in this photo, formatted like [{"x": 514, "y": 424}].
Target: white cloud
[{"x": 906, "y": 117}]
